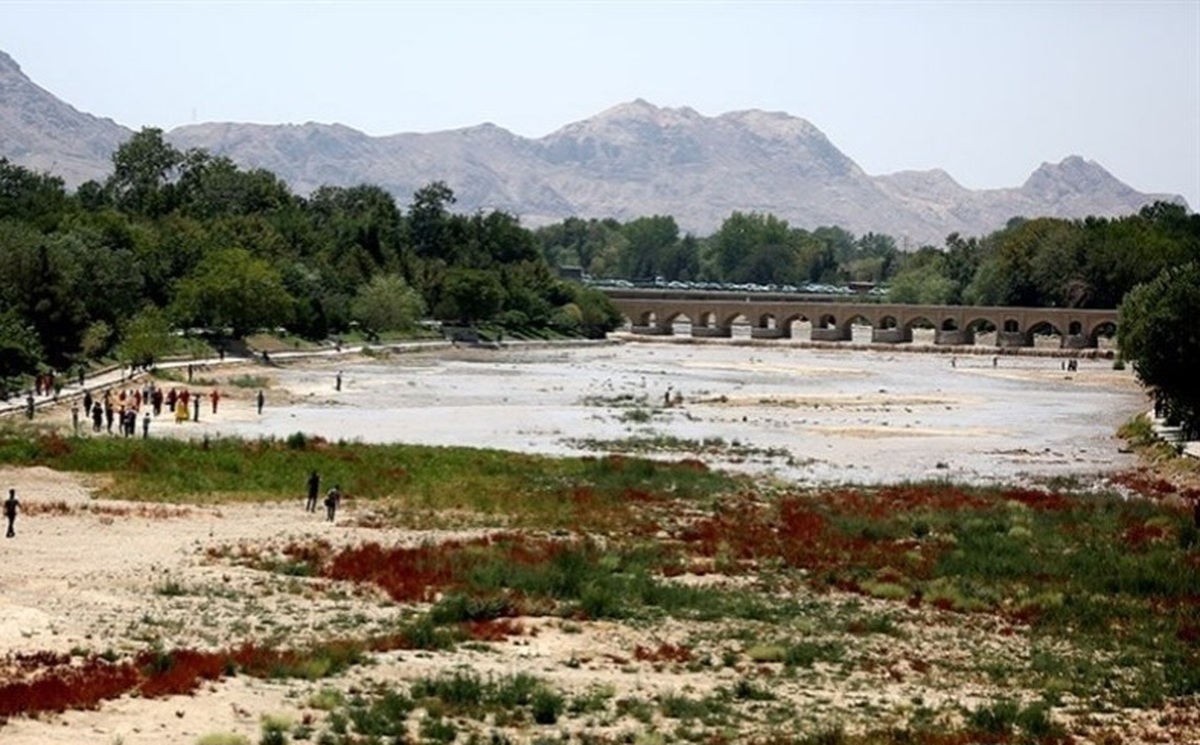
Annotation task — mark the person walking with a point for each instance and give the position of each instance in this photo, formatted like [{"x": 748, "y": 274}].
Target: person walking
[
  {"x": 331, "y": 502},
  {"x": 314, "y": 488},
  {"x": 260, "y": 399},
  {"x": 11, "y": 505},
  {"x": 146, "y": 426}
]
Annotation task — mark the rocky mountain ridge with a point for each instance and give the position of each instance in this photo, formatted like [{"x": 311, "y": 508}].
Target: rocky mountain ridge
[{"x": 632, "y": 160}]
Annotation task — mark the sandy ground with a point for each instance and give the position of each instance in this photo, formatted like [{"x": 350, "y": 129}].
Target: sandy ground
[{"x": 87, "y": 574}]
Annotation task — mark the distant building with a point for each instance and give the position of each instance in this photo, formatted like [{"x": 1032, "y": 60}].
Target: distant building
[{"x": 572, "y": 273}]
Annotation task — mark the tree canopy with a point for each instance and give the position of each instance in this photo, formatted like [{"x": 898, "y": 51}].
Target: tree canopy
[{"x": 1160, "y": 336}]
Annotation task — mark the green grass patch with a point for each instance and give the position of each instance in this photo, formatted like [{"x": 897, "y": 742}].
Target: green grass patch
[{"x": 525, "y": 489}]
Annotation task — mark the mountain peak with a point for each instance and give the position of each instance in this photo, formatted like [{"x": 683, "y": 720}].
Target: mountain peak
[
  {"x": 642, "y": 111},
  {"x": 1073, "y": 175}
]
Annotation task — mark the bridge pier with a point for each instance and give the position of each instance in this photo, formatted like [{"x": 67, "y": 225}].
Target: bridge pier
[
  {"x": 652, "y": 330},
  {"x": 891, "y": 336},
  {"x": 712, "y": 332},
  {"x": 830, "y": 334},
  {"x": 955, "y": 338},
  {"x": 1012, "y": 339}
]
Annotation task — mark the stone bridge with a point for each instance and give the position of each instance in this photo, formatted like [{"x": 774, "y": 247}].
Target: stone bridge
[{"x": 833, "y": 318}]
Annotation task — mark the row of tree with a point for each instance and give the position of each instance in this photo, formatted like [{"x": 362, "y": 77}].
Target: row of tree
[
  {"x": 184, "y": 240},
  {"x": 1089, "y": 263}
]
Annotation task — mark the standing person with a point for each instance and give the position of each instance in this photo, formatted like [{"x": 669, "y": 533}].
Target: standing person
[
  {"x": 97, "y": 416},
  {"x": 75, "y": 418},
  {"x": 314, "y": 487},
  {"x": 10, "y": 512},
  {"x": 146, "y": 426},
  {"x": 196, "y": 408},
  {"x": 260, "y": 399},
  {"x": 331, "y": 502},
  {"x": 215, "y": 396},
  {"x": 338, "y": 385},
  {"x": 87, "y": 403}
]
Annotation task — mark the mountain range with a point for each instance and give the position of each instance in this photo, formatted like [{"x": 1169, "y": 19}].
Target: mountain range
[{"x": 632, "y": 160}]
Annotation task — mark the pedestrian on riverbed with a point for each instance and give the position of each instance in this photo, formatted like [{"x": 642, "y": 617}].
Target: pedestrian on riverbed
[
  {"x": 11, "y": 505},
  {"x": 314, "y": 487},
  {"x": 260, "y": 399},
  {"x": 331, "y": 502}
]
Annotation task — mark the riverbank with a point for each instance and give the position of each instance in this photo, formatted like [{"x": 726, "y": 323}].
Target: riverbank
[{"x": 99, "y": 576}]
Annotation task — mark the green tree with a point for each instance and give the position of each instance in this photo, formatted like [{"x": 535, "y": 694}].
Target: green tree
[
  {"x": 31, "y": 197},
  {"x": 650, "y": 243},
  {"x": 96, "y": 340},
  {"x": 230, "y": 288},
  {"x": 470, "y": 295},
  {"x": 145, "y": 337},
  {"x": 20, "y": 351},
  {"x": 40, "y": 280},
  {"x": 215, "y": 187},
  {"x": 431, "y": 226},
  {"x": 754, "y": 247},
  {"x": 387, "y": 303},
  {"x": 1157, "y": 333},
  {"x": 145, "y": 169},
  {"x": 597, "y": 314}
]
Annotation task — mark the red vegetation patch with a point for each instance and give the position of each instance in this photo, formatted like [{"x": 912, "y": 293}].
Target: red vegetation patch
[
  {"x": 45, "y": 681},
  {"x": 1144, "y": 485},
  {"x": 419, "y": 574},
  {"x": 1138, "y": 535},
  {"x": 52, "y": 445},
  {"x": 493, "y": 630},
  {"x": 1038, "y": 500},
  {"x": 180, "y": 672},
  {"x": 804, "y": 533},
  {"x": 61, "y": 686},
  {"x": 663, "y": 653}
]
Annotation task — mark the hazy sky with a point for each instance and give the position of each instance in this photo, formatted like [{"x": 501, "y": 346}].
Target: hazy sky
[{"x": 984, "y": 90}]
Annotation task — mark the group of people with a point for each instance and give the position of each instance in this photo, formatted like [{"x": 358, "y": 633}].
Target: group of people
[
  {"x": 123, "y": 406},
  {"x": 333, "y": 497}
]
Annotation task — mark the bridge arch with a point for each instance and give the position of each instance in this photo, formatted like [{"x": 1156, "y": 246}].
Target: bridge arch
[
  {"x": 1102, "y": 334},
  {"x": 852, "y": 320}
]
